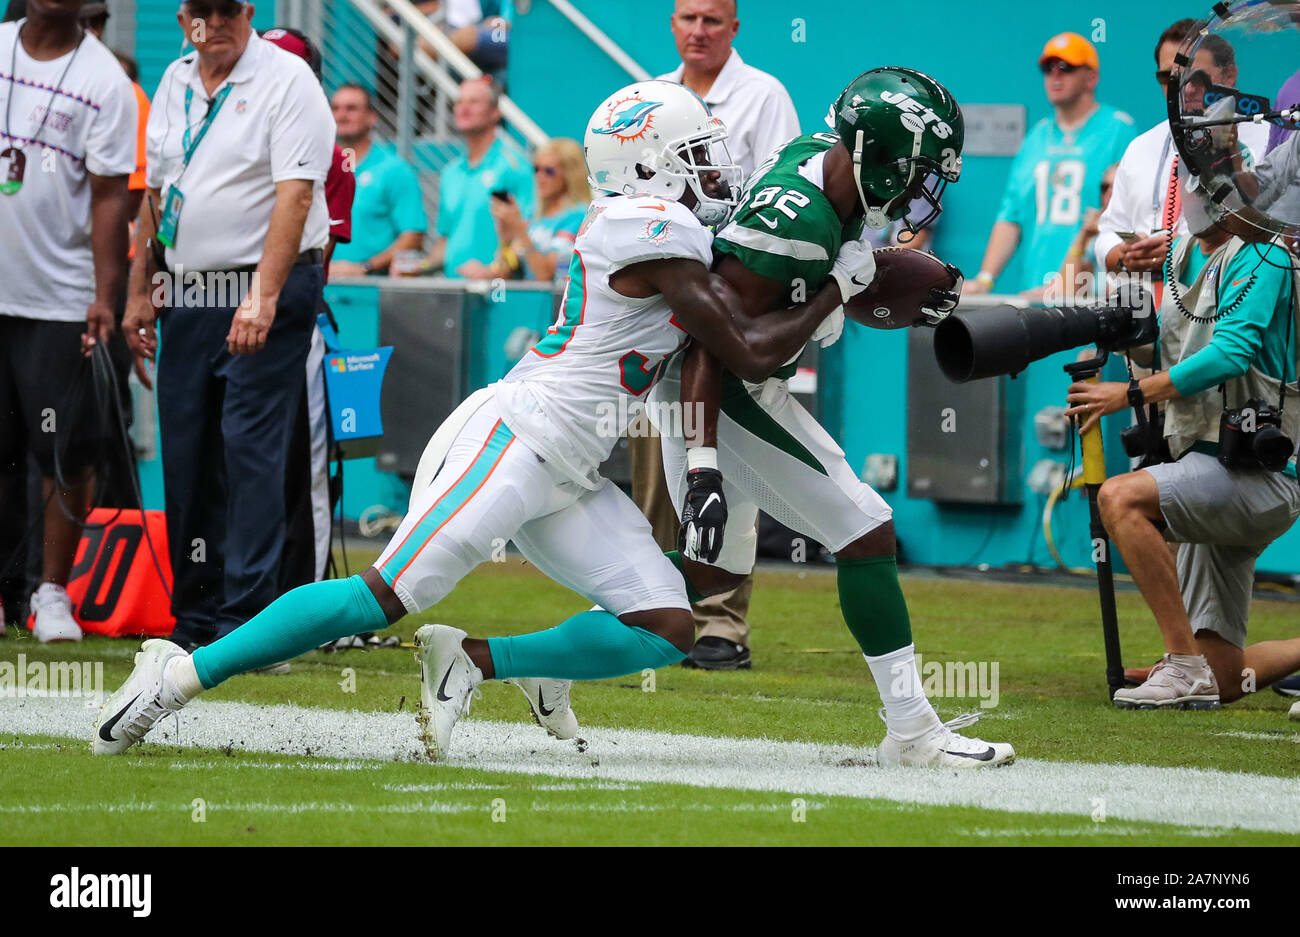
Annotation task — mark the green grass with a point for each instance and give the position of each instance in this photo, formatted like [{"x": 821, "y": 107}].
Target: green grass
[
  {"x": 261, "y": 799},
  {"x": 809, "y": 684}
]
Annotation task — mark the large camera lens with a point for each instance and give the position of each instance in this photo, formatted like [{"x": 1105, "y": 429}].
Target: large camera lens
[{"x": 1005, "y": 340}]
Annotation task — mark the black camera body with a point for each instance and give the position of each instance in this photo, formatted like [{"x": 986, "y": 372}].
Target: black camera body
[
  {"x": 1145, "y": 440},
  {"x": 1251, "y": 438}
]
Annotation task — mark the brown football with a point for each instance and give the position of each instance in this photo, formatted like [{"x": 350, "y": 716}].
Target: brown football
[{"x": 902, "y": 287}]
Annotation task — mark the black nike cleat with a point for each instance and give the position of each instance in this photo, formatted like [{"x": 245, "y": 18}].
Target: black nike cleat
[{"x": 712, "y": 653}]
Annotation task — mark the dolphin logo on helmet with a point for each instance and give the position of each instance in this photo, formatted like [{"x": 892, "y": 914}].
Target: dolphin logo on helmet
[
  {"x": 682, "y": 154},
  {"x": 630, "y": 122}
]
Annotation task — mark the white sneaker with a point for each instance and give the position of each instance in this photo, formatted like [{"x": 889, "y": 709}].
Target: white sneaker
[
  {"x": 1295, "y": 711},
  {"x": 941, "y": 747},
  {"x": 145, "y": 698},
  {"x": 549, "y": 700},
  {"x": 54, "y": 621},
  {"x": 448, "y": 681},
  {"x": 1172, "y": 685}
]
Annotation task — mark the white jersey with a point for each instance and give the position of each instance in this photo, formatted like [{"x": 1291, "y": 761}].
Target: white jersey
[{"x": 571, "y": 397}]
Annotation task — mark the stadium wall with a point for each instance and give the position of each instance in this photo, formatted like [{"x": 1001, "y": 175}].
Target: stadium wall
[{"x": 985, "y": 54}]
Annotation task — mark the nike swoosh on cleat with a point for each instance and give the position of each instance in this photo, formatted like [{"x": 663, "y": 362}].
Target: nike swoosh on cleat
[
  {"x": 442, "y": 697},
  {"x": 541, "y": 707},
  {"x": 986, "y": 755},
  {"x": 105, "y": 731}
]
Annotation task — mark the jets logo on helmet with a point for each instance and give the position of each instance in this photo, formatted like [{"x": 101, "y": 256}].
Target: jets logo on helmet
[
  {"x": 904, "y": 133},
  {"x": 629, "y": 119},
  {"x": 680, "y": 153}
]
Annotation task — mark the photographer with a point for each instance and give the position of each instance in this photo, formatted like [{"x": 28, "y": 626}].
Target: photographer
[{"x": 1227, "y": 337}]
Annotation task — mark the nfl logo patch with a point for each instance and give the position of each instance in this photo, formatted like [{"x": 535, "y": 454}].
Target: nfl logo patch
[{"x": 241, "y": 105}]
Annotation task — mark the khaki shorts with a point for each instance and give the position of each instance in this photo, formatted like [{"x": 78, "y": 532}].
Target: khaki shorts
[{"x": 1225, "y": 519}]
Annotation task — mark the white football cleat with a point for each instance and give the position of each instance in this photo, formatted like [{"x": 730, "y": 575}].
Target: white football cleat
[
  {"x": 146, "y": 697},
  {"x": 53, "y": 610},
  {"x": 549, "y": 700},
  {"x": 448, "y": 682},
  {"x": 941, "y": 747},
  {"x": 1295, "y": 711}
]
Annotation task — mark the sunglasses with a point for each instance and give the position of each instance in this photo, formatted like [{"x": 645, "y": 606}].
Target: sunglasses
[
  {"x": 546, "y": 170},
  {"x": 1164, "y": 75},
  {"x": 1056, "y": 65},
  {"x": 201, "y": 9}
]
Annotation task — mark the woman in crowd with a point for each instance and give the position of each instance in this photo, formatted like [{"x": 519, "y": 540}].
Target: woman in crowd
[{"x": 540, "y": 249}]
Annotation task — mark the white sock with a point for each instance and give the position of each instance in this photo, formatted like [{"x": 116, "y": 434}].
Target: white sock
[
  {"x": 180, "y": 671},
  {"x": 907, "y": 711}
]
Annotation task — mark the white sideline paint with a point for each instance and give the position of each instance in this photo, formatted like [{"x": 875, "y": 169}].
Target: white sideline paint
[{"x": 1184, "y": 796}]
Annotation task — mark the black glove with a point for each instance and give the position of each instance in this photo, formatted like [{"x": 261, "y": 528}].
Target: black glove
[{"x": 704, "y": 515}]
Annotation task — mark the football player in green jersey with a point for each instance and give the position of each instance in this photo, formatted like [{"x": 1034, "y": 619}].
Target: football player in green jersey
[{"x": 897, "y": 137}]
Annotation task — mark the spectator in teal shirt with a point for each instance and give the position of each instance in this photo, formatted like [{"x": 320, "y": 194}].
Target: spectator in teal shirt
[
  {"x": 388, "y": 211},
  {"x": 1057, "y": 171},
  {"x": 540, "y": 249},
  {"x": 466, "y": 229}
]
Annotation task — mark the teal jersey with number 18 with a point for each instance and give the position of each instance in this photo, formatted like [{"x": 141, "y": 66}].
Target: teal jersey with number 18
[{"x": 1055, "y": 178}]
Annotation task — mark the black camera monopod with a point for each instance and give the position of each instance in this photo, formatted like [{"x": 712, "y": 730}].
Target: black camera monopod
[{"x": 979, "y": 343}]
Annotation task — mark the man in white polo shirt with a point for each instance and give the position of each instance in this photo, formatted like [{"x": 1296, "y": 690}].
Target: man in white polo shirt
[
  {"x": 759, "y": 116},
  {"x": 67, "y": 147},
  {"x": 1146, "y": 190},
  {"x": 754, "y": 105},
  {"x": 240, "y": 140}
]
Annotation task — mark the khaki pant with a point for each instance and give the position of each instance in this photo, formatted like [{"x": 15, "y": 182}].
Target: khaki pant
[{"x": 718, "y": 616}]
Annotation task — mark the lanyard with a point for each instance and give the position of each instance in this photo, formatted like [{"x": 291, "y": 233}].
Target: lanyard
[
  {"x": 1160, "y": 176},
  {"x": 58, "y": 86},
  {"x": 192, "y": 145}
]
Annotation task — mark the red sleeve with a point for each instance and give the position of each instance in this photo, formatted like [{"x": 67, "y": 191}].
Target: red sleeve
[{"x": 340, "y": 187}]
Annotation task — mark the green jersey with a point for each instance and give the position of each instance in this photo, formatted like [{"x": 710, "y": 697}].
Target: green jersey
[{"x": 785, "y": 228}]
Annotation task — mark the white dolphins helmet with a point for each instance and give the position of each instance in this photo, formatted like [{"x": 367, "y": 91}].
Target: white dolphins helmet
[{"x": 656, "y": 138}]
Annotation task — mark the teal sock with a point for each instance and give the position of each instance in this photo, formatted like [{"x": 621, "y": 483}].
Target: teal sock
[
  {"x": 298, "y": 621},
  {"x": 693, "y": 594},
  {"x": 588, "y": 646},
  {"x": 873, "y": 605}
]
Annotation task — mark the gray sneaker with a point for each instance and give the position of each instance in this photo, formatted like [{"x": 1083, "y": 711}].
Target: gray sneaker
[{"x": 1173, "y": 685}]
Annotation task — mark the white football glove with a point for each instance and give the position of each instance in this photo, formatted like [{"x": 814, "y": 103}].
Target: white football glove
[
  {"x": 828, "y": 333},
  {"x": 854, "y": 268}
]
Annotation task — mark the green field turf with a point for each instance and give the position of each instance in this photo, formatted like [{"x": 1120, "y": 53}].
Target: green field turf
[{"x": 809, "y": 685}]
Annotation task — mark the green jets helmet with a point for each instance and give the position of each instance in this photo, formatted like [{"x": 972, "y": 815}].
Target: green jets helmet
[{"x": 904, "y": 132}]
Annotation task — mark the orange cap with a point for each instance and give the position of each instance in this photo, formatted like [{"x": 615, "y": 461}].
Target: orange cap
[{"x": 1071, "y": 48}]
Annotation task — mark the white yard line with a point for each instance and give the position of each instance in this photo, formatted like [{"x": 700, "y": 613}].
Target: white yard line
[{"x": 1185, "y": 796}]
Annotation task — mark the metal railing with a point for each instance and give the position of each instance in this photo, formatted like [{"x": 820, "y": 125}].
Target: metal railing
[
  {"x": 602, "y": 41},
  {"x": 382, "y": 44}
]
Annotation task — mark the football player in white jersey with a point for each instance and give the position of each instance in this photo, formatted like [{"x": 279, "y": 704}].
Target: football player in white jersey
[{"x": 518, "y": 461}]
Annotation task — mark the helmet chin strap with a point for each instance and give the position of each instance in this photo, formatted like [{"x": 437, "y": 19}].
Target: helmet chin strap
[{"x": 874, "y": 217}]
